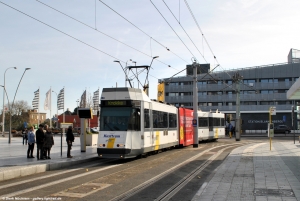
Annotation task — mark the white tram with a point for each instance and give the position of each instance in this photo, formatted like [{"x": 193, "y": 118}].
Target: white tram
[{"x": 131, "y": 124}]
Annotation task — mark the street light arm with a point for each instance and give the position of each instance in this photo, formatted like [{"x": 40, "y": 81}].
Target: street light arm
[
  {"x": 4, "y": 91},
  {"x": 6, "y": 98},
  {"x": 153, "y": 59},
  {"x": 9, "y": 139},
  {"x": 18, "y": 86}
]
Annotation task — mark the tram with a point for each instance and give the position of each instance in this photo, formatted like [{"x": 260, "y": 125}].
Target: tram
[{"x": 131, "y": 124}]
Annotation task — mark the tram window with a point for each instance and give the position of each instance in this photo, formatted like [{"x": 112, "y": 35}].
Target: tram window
[
  {"x": 172, "y": 121},
  {"x": 160, "y": 119},
  {"x": 210, "y": 124},
  {"x": 216, "y": 122},
  {"x": 165, "y": 120},
  {"x": 203, "y": 122},
  {"x": 222, "y": 122},
  {"x": 146, "y": 118},
  {"x": 134, "y": 121}
]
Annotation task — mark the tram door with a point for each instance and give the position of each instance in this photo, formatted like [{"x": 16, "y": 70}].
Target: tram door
[{"x": 146, "y": 139}]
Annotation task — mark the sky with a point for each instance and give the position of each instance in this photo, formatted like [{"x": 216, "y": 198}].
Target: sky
[{"x": 73, "y": 44}]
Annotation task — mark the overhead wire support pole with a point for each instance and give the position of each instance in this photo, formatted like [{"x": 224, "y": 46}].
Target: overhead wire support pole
[
  {"x": 237, "y": 79},
  {"x": 195, "y": 106}
]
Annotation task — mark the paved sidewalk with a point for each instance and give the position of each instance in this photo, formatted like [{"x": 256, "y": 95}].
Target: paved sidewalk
[
  {"x": 14, "y": 162},
  {"x": 253, "y": 172}
]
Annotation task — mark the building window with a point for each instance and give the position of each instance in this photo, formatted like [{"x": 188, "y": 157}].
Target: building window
[
  {"x": 202, "y": 93},
  {"x": 248, "y": 81}
]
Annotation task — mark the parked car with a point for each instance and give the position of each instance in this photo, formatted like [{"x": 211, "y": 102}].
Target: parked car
[
  {"x": 282, "y": 129},
  {"x": 94, "y": 130}
]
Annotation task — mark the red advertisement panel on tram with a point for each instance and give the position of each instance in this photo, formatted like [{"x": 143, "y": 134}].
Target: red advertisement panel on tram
[{"x": 186, "y": 130}]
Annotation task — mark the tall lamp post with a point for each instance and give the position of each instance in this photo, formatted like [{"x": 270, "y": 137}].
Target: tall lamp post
[
  {"x": 3, "y": 111},
  {"x": 77, "y": 105},
  {"x": 9, "y": 138},
  {"x": 56, "y": 108}
]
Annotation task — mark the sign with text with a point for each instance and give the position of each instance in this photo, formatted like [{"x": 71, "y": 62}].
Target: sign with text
[{"x": 272, "y": 110}]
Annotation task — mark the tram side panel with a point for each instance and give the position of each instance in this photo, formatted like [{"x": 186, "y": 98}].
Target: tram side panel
[
  {"x": 185, "y": 129},
  {"x": 164, "y": 126}
]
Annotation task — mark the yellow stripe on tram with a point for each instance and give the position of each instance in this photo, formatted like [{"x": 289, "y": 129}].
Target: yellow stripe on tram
[
  {"x": 111, "y": 142},
  {"x": 217, "y": 133},
  {"x": 156, "y": 140}
]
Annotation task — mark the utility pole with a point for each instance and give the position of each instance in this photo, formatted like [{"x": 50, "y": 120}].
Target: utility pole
[
  {"x": 237, "y": 79},
  {"x": 195, "y": 106}
]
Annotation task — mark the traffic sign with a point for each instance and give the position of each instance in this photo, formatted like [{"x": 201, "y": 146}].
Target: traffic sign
[
  {"x": 194, "y": 122},
  {"x": 272, "y": 110}
]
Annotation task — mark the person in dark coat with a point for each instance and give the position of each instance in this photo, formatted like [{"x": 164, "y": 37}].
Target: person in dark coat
[
  {"x": 31, "y": 141},
  {"x": 39, "y": 135},
  {"x": 48, "y": 142},
  {"x": 24, "y": 133},
  {"x": 69, "y": 139}
]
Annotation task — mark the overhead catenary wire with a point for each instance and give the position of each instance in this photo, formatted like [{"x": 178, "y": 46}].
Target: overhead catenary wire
[
  {"x": 60, "y": 31},
  {"x": 183, "y": 30},
  {"x": 98, "y": 31},
  {"x": 172, "y": 29},
  {"x": 143, "y": 31}
]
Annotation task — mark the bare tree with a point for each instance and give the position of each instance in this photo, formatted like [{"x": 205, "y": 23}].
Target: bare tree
[{"x": 19, "y": 107}]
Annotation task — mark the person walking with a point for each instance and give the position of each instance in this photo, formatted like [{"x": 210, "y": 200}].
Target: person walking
[
  {"x": 69, "y": 139},
  {"x": 48, "y": 142},
  {"x": 31, "y": 142},
  {"x": 39, "y": 134},
  {"x": 25, "y": 137}
]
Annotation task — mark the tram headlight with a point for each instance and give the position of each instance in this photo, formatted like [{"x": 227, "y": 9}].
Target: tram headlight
[{"x": 120, "y": 145}]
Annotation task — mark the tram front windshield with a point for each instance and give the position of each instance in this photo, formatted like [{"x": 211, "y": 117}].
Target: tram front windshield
[{"x": 119, "y": 119}]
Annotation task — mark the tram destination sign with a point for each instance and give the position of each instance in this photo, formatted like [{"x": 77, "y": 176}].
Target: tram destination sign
[{"x": 115, "y": 103}]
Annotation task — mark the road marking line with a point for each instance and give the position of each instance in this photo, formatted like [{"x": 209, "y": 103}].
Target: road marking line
[
  {"x": 57, "y": 182},
  {"x": 47, "y": 176}
]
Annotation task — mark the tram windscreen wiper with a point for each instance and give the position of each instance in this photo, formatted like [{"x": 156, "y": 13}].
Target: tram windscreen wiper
[{"x": 105, "y": 123}]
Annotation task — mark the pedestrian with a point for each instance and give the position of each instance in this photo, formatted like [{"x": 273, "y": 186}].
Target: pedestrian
[
  {"x": 25, "y": 138},
  {"x": 39, "y": 135},
  {"x": 230, "y": 129},
  {"x": 69, "y": 139},
  {"x": 48, "y": 142},
  {"x": 31, "y": 142}
]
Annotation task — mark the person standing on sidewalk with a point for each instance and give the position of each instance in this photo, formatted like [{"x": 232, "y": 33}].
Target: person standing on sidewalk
[
  {"x": 39, "y": 134},
  {"x": 31, "y": 142},
  {"x": 25, "y": 137},
  {"x": 69, "y": 139},
  {"x": 48, "y": 142}
]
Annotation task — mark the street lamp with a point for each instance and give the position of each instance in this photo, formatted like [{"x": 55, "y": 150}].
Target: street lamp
[
  {"x": 9, "y": 138},
  {"x": 77, "y": 105},
  {"x": 56, "y": 108},
  {"x": 4, "y": 91}
]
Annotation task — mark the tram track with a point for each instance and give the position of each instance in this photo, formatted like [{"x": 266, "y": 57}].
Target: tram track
[
  {"x": 179, "y": 185},
  {"x": 114, "y": 175}
]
